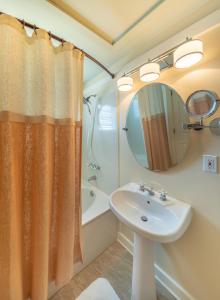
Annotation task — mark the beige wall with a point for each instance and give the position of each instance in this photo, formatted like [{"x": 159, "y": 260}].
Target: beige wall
[{"x": 194, "y": 260}]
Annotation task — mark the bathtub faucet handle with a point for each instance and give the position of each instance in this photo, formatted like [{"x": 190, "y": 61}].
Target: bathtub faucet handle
[{"x": 94, "y": 166}]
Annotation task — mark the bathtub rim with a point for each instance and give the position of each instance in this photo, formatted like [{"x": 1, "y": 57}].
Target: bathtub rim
[{"x": 99, "y": 207}]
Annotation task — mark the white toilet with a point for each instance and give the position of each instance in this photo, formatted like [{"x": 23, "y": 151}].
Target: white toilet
[{"x": 100, "y": 289}]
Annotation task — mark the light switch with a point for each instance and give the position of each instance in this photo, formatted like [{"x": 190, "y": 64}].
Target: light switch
[{"x": 210, "y": 163}]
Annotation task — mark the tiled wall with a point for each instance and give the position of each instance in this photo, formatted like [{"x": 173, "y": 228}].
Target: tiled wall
[{"x": 105, "y": 140}]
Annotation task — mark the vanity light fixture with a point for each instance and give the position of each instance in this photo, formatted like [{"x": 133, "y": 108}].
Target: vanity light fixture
[
  {"x": 183, "y": 55},
  {"x": 125, "y": 83},
  {"x": 188, "y": 54},
  {"x": 149, "y": 72}
]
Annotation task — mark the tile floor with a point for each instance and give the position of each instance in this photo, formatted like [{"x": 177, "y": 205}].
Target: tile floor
[{"x": 114, "y": 264}]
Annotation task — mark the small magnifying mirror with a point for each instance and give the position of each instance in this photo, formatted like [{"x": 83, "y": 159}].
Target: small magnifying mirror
[{"x": 202, "y": 104}]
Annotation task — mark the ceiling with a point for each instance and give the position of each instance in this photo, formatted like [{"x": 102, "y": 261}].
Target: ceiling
[
  {"x": 112, "y": 18},
  {"x": 117, "y": 31}
]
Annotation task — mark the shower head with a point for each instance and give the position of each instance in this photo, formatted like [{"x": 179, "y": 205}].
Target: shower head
[
  {"x": 87, "y": 102},
  {"x": 87, "y": 99}
]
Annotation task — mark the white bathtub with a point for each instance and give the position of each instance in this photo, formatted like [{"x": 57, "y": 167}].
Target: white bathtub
[{"x": 99, "y": 227}]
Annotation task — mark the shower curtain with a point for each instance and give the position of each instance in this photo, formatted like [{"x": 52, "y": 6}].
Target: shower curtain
[
  {"x": 153, "y": 114},
  {"x": 40, "y": 161}
]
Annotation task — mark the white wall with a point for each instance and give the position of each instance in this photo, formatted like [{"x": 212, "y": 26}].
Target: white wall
[{"x": 194, "y": 260}]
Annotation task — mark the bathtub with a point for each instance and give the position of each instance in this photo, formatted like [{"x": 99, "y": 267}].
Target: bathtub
[
  {"x": 94, "y": 203},
  {"x": 99, "y": 227}
]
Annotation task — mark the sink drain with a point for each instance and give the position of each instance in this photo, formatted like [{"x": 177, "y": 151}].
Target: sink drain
[{"x": 144, "y": 218}]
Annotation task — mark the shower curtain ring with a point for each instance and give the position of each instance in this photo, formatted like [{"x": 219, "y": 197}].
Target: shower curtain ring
[
  {"x": 23, "y": 23},
  {"x": 62, "y": 42},
  {"x": 49, "y": 33}
]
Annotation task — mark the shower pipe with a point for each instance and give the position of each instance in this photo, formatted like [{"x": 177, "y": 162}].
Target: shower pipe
[{"x": 59, "y": 39}]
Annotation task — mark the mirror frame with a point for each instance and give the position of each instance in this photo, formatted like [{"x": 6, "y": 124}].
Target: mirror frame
[{"x": 214, "y": 107}]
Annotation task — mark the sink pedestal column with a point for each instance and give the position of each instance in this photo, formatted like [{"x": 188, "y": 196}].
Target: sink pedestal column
[{"x": 143, "y": 282}]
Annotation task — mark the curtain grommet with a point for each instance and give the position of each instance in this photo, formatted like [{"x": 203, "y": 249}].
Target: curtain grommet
[
  {"x": 23, "y": 23},
  {"x": 35, "y": 29},
  {"x": 50, "y": 36}
]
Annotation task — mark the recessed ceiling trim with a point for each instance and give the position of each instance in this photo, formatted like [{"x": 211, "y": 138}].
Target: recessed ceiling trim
[
  {"x": 66, "y": 8},
  {"x": 127, "y": 30},
  {"x": 60, "y": 4}
]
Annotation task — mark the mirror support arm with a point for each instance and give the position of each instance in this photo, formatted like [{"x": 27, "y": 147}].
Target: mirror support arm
[{"x": 198, "y": 126}]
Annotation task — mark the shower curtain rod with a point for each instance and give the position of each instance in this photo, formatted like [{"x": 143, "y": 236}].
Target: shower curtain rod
[{"x": 59, "y": 39}]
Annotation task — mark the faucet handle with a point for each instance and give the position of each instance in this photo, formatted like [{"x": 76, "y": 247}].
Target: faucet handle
[
  {"x": 94, "y": 166},
  {"x": 163, "y": 195},
  {"x": 142, "y": 187}
]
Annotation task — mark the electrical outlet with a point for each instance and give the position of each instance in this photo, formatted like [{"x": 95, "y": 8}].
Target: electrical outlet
[{"x": 210, "y": 163}]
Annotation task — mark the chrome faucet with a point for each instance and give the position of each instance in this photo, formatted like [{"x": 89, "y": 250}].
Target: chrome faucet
[
  {"x": 92, "y": 178},
  {"x": 143, "y": 188}
]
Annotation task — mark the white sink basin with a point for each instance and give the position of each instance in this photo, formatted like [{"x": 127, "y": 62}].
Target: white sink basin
[
  {"x": 166, "y": 220},
  {"x": 151, "y": 219}
]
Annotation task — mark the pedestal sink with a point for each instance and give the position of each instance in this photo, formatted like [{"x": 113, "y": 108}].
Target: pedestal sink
[{"x": 152, "y": 219}]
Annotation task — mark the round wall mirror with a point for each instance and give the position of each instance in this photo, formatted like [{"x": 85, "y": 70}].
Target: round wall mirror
[
  {"x": 202, "y": 104},
  {"x": 154, "y": 127}
]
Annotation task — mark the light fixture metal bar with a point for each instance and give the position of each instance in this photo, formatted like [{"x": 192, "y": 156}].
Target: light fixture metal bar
[{"x": 158, "y": 58}]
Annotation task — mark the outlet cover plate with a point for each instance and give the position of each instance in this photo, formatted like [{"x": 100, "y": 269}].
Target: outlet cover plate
[{"x": 210, "y": 163}]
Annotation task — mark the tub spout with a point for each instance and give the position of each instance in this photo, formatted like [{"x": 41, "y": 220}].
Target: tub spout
[{"x": 92, "y": 178}]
